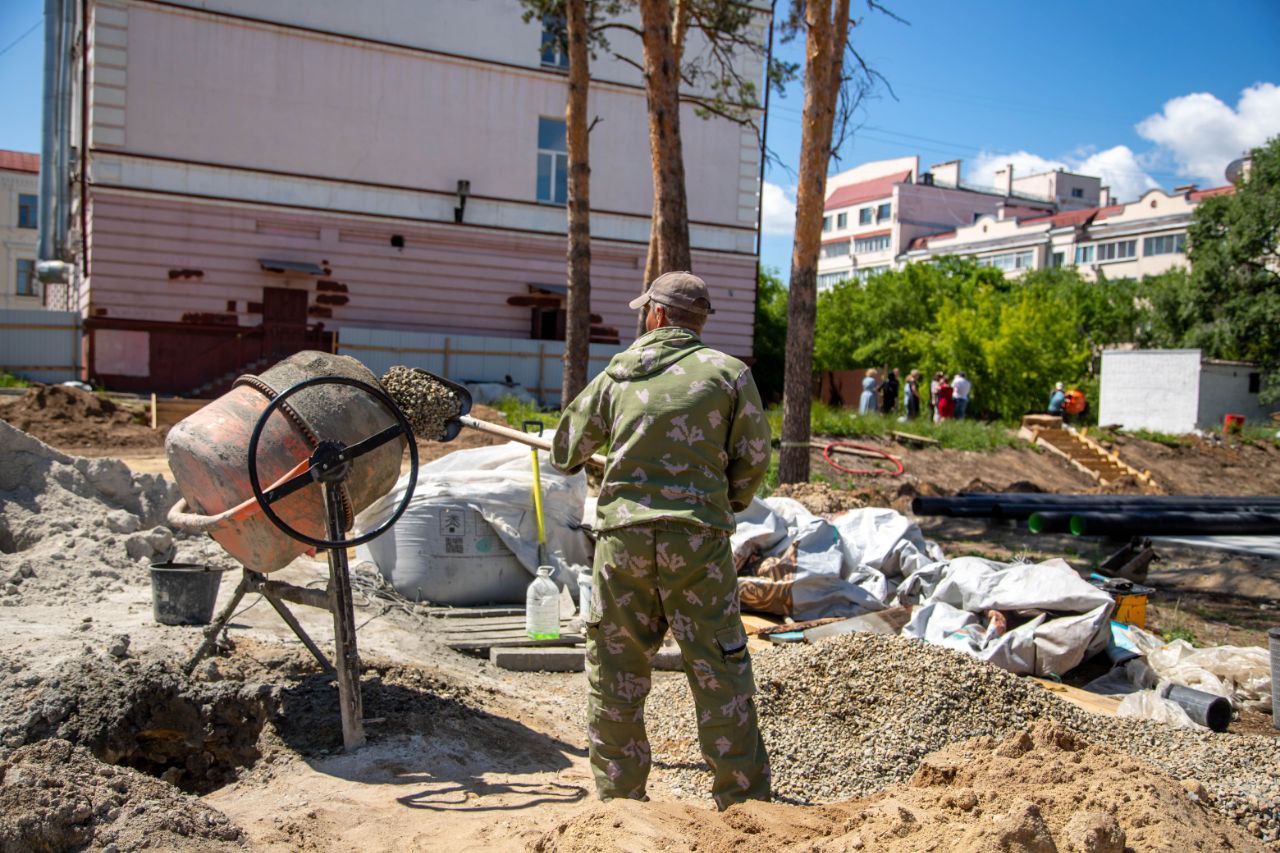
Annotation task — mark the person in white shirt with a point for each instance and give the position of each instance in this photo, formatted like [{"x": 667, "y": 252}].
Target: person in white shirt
[{"x": 961, "y": 387}]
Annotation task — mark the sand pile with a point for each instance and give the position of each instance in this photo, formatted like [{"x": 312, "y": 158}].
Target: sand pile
[
  {"x": 1038, "y": 789},
  {"x": 819, "y": 498},
  {"x": 68, "y": 417},
  {"x": 55, "y": 796},
  {"x": 853, "y": 715},
  {"x": 73, "y": 527}
]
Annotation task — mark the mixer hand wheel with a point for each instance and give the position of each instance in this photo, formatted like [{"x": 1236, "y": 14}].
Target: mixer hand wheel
[{"x": 330, "y": 463}]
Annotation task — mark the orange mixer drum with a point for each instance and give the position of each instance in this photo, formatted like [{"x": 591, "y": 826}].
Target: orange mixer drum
[{"x": 208, "y": 454}]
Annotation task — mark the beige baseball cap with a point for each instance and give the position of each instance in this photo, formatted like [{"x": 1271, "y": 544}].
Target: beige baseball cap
[{"x": 682, "y": 290}]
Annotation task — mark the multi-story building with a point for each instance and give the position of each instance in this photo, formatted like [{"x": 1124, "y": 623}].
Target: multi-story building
[
  {"x": 261, "y": 175},
  {"x": 19, "y": 218},
  {"x": 875, "y": 211},
  {"x": 883, "y": 215}
]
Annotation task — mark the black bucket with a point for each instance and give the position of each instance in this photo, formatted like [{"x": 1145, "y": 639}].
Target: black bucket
[{"x": 184, "y": 593}]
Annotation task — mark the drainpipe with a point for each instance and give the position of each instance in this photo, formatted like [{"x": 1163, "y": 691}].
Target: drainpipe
[{"x": 50, "y": 266}]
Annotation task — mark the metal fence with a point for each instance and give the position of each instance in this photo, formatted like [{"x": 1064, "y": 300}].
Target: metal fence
[
  {"x": 42, "y": 346},
  {"x": 535, "y": 365}
]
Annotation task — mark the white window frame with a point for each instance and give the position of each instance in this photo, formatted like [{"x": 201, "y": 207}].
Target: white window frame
[
  {"x": 1109, "y": 253},
  {"x": 1084, "y": 254},
  {"x": 879, "y": 243},
  {"x": 826, "y": 224},
  {"x": 842, "y": 220},
  {"x": 830, "y": 279},
  {"x": 558, "y": 60},
  {"x": 838, "y": 249},
  {"x": 866, "y": 216},
  {"x": 865, "y": 273},
  {"x": 884, "y": 211},
  {"x": 32, "y": 281},
  {"x": 1176, "y": 241},
  {"x": 559, "y": 161},
  {"x": 1023, "y": 259}
]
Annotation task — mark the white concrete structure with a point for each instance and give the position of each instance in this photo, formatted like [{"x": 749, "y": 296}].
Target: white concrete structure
[
  {"x": 1176, "y": 391},
  {"x": 405, "y": 159},
  {"x": 19, "y": 210}
]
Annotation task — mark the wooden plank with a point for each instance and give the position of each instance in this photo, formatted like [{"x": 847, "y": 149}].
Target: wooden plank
[
  {"x": 912, "y": 438},
  {"x": 521, "y": 643},
  {"x": 755, "y": 623},
  {"x": 1094, "y": 702},
  {"x": 472, "y": 612}
]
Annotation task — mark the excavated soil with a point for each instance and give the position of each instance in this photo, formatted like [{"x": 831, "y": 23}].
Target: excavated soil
[
  {"x": 1039, "y": 789},
  {"x": 55, "y": 796},
  {"x": 69, "y": 418}
]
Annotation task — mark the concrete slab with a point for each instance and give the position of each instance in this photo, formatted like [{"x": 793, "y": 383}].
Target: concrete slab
[{"x": 538, "y": 659}]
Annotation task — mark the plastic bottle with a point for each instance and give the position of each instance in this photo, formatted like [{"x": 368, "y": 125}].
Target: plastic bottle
[{"x": 542, "y": 607}]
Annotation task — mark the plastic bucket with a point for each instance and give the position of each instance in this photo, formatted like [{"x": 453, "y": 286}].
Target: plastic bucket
[
  {"x": 1232, "y": 424},
  {"x": 184, "y": 593}
]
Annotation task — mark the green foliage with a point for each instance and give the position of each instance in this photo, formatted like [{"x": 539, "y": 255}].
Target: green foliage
[
  {"x": 1013, "y": 338},
  {"x": 8, "y": 380},
  {"x": 954, "y": 435},
  {"x": 518, "y": 411},
  {"x": 769, "y": 345},
  {"x": 1235, "y": 259}
]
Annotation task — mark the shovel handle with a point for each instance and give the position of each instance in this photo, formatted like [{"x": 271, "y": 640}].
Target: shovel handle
[{"x": 535, "y": 441}]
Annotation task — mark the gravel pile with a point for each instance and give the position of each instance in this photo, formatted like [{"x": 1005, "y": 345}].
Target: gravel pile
[
  {"x": 425, "y": 402},
  {"x": 856, "y": 714}
]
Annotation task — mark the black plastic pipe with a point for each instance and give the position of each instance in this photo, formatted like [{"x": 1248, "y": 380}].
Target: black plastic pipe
[
  {"x": 1160, "y": 523},
  {"x": 1020, "y": 506}
]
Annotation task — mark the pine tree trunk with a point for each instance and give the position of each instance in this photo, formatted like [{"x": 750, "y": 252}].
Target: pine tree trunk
[
  {"x": 827, "y": 31},
  {"x": 577, "y": 337},
  {"x": 669, "y": 238}
]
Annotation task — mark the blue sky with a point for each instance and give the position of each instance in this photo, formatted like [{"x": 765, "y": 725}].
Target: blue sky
[{"x": 1157, "y": 92}]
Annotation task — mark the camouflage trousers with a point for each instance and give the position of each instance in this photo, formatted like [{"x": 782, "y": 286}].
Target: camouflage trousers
[{"x": 648, "y": 577}]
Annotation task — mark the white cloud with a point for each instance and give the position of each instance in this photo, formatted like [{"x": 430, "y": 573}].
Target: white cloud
[
  {"x": 1202, "y": 135},
  {"x": 779, "y": 214},
  {"x": 1118, "y": 167}
]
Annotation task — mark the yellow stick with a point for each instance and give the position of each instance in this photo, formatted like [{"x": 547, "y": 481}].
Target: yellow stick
[{"x": 537, "y": 502}]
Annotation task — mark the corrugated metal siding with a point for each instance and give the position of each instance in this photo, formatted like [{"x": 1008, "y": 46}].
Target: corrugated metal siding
[
  {"x": 443, "y": 280},
  {"x": 467, "y": 358},
  {"x": 43, "y": 346}
]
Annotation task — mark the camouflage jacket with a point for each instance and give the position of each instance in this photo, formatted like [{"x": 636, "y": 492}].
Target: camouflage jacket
[{"x": 682, "y": 427}]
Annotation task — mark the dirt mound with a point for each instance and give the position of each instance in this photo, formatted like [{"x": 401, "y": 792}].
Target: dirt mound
[
  {"x": 1038, "y": 789},
  {"x": 852, "y": 715},
  {"x": 819, "y": 498},
  {"x": 55, "y": 796},
  {"x": 68, "y": 417},
  {"x": 148, "y": 716}
]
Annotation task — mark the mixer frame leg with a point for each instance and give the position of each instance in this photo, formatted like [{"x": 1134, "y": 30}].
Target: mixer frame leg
[
  {"x": 211, "y": 633},
  {"x": 347, "y": 658},
  {"x": 292, "y": 621}
]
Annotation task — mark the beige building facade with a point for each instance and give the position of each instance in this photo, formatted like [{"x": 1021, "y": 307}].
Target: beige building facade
[{"x": 19, "y": 231}]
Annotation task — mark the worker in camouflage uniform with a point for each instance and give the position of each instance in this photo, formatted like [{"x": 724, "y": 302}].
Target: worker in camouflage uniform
[{"x": 687, "y": 445}]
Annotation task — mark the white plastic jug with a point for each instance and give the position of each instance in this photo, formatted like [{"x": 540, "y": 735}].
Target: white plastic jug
[{"x": 542, "y": 607}]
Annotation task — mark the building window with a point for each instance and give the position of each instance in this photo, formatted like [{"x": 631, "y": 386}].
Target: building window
[
  {"x": 26, "y": 277},
  {"x": 553, "y": 52},
  {"x": 866, "y": 272},
  {"x": 842, "y": 220},
  {"x": 1117, "y": 251},
  {"x": 553, "y": 161},
  {"x": 838, "y": 249},
  {"x": 871, "y": 244},
  {"x": 1076, "y": 192},
  {"x": 1084, "y": 254},
  {"x": 1166, "y": 244},
  {"x": 826, "y": 224},
  {"x": 883, "y": 211},
  {"x": 28, "y": 211},
  {"x": 830, "y": 279},
  {"x": 864, "y": 216},
  {"x": 1008, "y": 261},
  {"x": 1056, "y": 260}
]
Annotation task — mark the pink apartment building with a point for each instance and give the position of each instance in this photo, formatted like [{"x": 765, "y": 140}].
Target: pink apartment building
[{"x": 257, "y": 176}]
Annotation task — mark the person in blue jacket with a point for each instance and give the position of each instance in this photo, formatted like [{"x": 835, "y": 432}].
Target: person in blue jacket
[{"x": 1056, "y": 399}]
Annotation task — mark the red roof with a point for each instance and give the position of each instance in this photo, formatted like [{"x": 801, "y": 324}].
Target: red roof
[
  {"x": 921, "y": 242},
  {"x": 1073, "y": 217},
  {"x": 19, "y": 161},
  {"x": 882, "y": 187},
  {"x": 1199, "y": 194}
]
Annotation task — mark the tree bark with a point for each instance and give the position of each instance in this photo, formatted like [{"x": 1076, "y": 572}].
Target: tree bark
[
  {"x": 664, "y": 27},
  {"x": 577, "y": 336},
  {"x": 826, "y": 36}
]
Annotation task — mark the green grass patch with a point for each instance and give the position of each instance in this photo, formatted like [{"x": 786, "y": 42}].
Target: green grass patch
[
  {"x": 952, "y": 434},
  {"x": 518, "y": 411},
  {"x": 1261, "y": 433},
  {"x": 8, "y": 380},
  {"x": 1168, "y": 439}
]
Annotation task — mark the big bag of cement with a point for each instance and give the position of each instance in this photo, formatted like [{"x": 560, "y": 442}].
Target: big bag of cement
[{"x": 470, "y": 536}]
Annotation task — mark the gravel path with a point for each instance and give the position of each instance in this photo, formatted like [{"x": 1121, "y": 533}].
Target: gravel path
[{"x": 855, "y": 714}]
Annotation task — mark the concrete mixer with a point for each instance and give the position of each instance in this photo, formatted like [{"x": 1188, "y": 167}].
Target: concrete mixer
[{"x": 280, "y": 466}]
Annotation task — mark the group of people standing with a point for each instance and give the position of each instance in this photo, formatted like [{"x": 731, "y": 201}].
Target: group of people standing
[{"x": 946, "y": 399}]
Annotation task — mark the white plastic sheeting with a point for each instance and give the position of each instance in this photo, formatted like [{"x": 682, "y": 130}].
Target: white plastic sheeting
[
  {"x": 496, "y": 482},
  {"x": 1239, "y": 674},
  {"x": 869, "y": 559}
]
